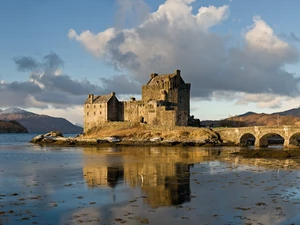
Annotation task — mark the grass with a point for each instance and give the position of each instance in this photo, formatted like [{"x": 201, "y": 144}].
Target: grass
[{"x": 139, "y": 131}]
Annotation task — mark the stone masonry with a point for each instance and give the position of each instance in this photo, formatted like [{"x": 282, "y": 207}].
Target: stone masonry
[{"x": 165, "y": 101}]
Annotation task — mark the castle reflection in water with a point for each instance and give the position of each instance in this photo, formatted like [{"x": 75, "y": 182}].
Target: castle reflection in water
[{"x": 163, "y": 174}]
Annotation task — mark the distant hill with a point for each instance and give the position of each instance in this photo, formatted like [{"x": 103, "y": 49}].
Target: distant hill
[
  {"x": 289, "y": 117},
  {"x": 36, "y": 123},
  {"x": 291, "y": 112},
  {"x": 78, "y": 124},
  {"x": 12, "y": 127}
]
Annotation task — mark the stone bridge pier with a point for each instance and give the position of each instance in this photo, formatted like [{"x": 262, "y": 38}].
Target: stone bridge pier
[{"x": 260, "y": 135}]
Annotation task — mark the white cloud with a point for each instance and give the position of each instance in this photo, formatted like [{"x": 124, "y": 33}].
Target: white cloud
[
  {"x": 262, "y": 100},
  {"x": 94, "y": 43},
  {"x": 174, "y": 37},
  {"x": 210, "y": 16},
  {"x": 261, "y": 41}
]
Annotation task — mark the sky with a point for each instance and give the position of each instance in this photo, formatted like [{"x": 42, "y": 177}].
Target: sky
[{"x": 238, "y": 55}]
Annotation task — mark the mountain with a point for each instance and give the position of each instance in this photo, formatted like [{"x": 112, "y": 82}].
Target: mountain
[
  {"x": 78, "y": 124},
  {"x": 36, "y": 123},
  {"x": 290, "y": 112},
  {"x": 247, "y": 114},
  {"x": 12, "y": 127},
  {"x": 15, "y": 111},
  {"x": 289, "y": 117}
]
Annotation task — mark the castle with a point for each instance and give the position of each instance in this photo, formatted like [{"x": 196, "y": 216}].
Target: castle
[{"x": 165, "y": 101}]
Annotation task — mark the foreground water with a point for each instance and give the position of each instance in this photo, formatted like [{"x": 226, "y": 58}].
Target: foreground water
[{"x": 143, "y": 185}]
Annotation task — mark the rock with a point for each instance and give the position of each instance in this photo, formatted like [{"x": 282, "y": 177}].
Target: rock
[
  {"x": 112, "y": 139},
  {"x": 155, "y": 139},
  {"x": 48, "y": 138},
  {"x": 54, "y": 134},
  {"x": 37, "y": 138}
]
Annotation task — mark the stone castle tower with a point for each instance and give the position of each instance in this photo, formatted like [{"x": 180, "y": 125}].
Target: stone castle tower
[{"x": 165, "y": 101}]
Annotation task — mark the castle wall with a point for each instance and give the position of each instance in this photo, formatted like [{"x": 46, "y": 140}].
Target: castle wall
[
  {"x": 173, "y": 97},
  {"x": 181, "y": 118},
  {"x": 151, "y": 93},
  {"x": 94, "y": 114},
  {"x": 113, "y": 108},
  {"x": 165, "y": 117},
  {"x": 132, "y": 110},
  {"x": 184, "y": 97}
]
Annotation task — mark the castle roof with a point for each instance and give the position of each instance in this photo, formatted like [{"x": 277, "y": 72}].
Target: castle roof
[
  {"x": 100, "y": 99},
  {"x": 159, "y": 78}
]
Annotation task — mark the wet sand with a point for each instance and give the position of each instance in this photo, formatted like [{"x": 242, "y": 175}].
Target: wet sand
[{"x": 150, "y": 185}]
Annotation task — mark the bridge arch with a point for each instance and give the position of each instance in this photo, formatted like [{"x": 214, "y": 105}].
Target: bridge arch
[
  {"x": 247, "y": 139},
  {"x": 263, "y": 141},
  {"x": 295, "y": 139}
]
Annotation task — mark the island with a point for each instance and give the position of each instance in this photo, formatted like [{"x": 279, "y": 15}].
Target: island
[
  {"x": 161, "y": 117},
  {"x": 12, "y": 127}
]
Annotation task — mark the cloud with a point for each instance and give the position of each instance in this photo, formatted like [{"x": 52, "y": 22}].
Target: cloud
[
  {"x": 262, "y": 100},
  {"x": 294, "y": 37},
  {"x": 25, "y": 63},
  {"x": 124, "y": 85},
  {"x": 47, "y": 85},
  {"x": 176, "y": 37}
]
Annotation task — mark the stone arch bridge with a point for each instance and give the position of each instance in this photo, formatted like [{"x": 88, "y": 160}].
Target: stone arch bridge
[{"x": 241, "y": 135}]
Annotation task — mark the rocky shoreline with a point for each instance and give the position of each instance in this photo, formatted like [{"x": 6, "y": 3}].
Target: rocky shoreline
[{"x": 57, "y": 138}]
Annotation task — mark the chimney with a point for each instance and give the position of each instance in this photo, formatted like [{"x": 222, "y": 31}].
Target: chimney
[
  {"x": 113, "y": 93},
  {"x": 153, "y": 75},
  {"x": 177, "y": 72},
  {"x": 91, "y": 97}
]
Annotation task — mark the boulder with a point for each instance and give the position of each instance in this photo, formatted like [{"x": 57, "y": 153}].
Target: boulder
[
  {"x": 54, "y": 134},
  {"x": 37, "y": 138}
]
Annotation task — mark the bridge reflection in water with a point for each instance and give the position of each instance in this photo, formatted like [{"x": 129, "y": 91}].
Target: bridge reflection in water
[{"x": 162, "y": 175}]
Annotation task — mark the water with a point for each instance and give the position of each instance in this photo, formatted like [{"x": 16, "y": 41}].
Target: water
[{"x": 142, "y": 185}]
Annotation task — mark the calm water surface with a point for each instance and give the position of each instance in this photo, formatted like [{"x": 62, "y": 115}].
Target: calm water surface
[{"x": 143, "y": 185}]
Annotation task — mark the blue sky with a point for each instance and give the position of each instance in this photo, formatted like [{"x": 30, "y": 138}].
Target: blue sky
[{"x": 239, "y": 55}]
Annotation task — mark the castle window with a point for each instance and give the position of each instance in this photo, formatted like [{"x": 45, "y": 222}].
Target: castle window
[
  {"x": 94, "y": 106},
  {"x": 100, "y": 113},
  {"x": 94, "y": 113},
  {"x": 87, "y": 113},
  {"x": 87, "y": 106}
]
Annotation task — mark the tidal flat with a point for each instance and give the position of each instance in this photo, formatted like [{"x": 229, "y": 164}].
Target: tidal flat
[{"x": 145, "y": 185}]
